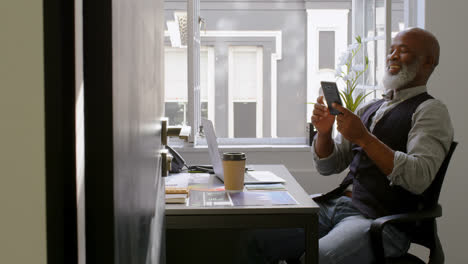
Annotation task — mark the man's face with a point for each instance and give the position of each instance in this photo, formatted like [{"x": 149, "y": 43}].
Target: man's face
[{"x": 403, "y": 62}]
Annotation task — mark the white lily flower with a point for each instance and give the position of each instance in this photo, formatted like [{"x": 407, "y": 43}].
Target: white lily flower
[
  {"x": 358, "y": 67},
  {"x": 353, "y": 47},
  {"x": 348, "y": 80},
  {"x": 344, "y": 58},
  {"x": 337, "y": 72},
  {"x": 350, "y": 76}
]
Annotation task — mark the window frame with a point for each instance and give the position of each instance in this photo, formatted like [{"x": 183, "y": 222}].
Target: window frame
[
  {"x": 413, "y": 16},
  {"x": 276, "y": 56},
  {"x": 259, "y": 88},
  {"x": 210, "y": 81},
  {"x": 386, "y": 37}
]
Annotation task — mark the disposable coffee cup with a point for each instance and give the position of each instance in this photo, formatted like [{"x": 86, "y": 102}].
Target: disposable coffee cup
[{"x": 234, "y": 169}]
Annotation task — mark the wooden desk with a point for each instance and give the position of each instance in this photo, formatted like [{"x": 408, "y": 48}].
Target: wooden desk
[{"x": 302, "y": 215}]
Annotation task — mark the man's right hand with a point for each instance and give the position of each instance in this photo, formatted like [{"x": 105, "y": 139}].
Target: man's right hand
[{"x": 321, "y": 117}]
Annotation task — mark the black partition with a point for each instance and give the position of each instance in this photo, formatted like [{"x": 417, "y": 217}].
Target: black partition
[
  {"x": 123, "y": 70},
  {"x": 59, "y": 101}
]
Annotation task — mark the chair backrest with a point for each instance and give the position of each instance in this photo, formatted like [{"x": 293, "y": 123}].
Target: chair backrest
[
  {"x": 426, "y": 232},
  {"x": 431, "y": 195}
]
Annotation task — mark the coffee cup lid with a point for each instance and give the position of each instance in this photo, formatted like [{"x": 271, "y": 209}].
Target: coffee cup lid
[{"x": 233, "y": 156}]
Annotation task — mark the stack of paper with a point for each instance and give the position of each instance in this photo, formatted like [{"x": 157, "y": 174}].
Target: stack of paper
[
  {"x": 177, "y": 188},
  {"x": 268, "y": 186},
  {"x": 176, "y": 198}
]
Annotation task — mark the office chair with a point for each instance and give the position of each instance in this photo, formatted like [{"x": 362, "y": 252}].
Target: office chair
[{"x": 424, "y": 226}]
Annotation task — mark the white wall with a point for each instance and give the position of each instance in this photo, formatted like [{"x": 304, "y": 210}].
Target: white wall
[
  {"x": 22, "y": 159},
  {"x": 448, "y": 21}
]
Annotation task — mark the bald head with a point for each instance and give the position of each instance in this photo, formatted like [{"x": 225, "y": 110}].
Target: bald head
[{"x": 427, "y": 43}]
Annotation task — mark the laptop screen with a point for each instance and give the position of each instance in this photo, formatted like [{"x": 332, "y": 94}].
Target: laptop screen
[{"x": 213, "y": 150}]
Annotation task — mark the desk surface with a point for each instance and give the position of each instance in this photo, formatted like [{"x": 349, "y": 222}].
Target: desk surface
[
  {"x": 181, "y": 218},
  {"x": 305, "y": 206}
]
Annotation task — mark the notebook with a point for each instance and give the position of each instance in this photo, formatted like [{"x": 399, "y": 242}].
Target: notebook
[{"x": 249, "y": 177}]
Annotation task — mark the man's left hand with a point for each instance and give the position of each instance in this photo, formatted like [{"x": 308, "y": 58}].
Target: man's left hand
[{"x": 351, "y": 126}]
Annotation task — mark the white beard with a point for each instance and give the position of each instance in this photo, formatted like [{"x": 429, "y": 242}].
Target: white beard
[{"x": 402, "y": 78}]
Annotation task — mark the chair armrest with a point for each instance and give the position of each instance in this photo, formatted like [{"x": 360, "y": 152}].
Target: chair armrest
[{"x": 379, "y": 223}]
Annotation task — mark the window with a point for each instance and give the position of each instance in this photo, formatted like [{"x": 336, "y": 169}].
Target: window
[
  {"x": 326, "y": 50},
  {"x": 369, "y": 22},
  {"x": 245, "y": 91},
  {"x": 377, "y": 21},
  {"x": 176, "y": 84},
  {"x": 327, "y": 37}
]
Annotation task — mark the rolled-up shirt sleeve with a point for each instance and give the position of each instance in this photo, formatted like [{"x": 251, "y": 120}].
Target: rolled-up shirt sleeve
[
  {"x": 336, "y": 162},
  {"x": 342, "y": 155},
  {"x": 428, "y": 143}
]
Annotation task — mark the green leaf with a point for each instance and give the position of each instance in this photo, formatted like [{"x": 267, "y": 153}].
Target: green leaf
[
  {"x": 343, "y": 97},
  {"x": 358, "y": 39},
  {"x": 367, "y": 60},
  {"x": 361, "y": 97}
]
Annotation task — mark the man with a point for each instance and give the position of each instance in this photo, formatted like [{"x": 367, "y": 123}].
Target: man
[{"x": 393, "y": 148}]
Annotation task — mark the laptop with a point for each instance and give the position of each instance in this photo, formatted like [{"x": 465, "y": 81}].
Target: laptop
[{"x": 250, "y": 177}]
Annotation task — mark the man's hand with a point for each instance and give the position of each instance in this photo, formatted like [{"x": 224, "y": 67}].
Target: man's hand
[
  {"x": 321, "y": 117},
  {"x": 351, "y": 126}
]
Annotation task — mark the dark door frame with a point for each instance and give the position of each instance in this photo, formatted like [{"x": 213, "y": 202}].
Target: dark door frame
[
  {"x": 59, "y": 99},
  {"x": 99, "y": 144}
]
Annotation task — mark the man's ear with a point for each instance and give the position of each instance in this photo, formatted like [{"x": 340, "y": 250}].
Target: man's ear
[{"x": 429, "y": 62}]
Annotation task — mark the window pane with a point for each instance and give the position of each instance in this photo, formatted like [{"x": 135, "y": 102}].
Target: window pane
[
  {"x": 381, "y": 61},
  {"x": 175, "y": 111},
  {"x": 398, "y": 17},
  {"x": 175, "y": 69},
  {"x": 204, "y": 74},
  {"x": 245, "y": 90},
  {"x": 204, "y": 110},
  {"x": 245, "y": 72},
  {"x": 359, "y": 18},
  {"x": 369, "y": 18},
  {"x": 369, "y": 49},
  {"x": 175, "y": 74},
  {"x": 380, "y": 17},
  {"x": 326, "y": 50},
  {"x": 245, "y": 120}
]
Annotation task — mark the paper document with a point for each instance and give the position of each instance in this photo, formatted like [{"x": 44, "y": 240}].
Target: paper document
[
  {"x": 209, "y": 199},
  {"x": 265, "y": 176},
  {"x": 262, "y": 198},
  {"x": 268, "y": 186},
  {"x": 204, "y": 182}
]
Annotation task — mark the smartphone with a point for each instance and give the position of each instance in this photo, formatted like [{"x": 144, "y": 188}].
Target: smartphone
[{"x": 330, "y": 91}]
